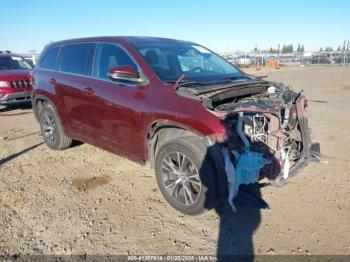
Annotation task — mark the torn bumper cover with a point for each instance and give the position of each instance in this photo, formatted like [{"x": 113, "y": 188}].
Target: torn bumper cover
[
  {"x": 311, "y": 150},
  {"x": 276, "y": 155}
]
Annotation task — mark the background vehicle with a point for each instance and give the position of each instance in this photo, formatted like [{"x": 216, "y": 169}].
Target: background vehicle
[
  {"x": 31, "y": 59},
  {"x": 243, "y": 60},
  {"x": 15, "y": 82},
  {"x": 204, "y": 125},
  {"x": 321, "y": 59}
]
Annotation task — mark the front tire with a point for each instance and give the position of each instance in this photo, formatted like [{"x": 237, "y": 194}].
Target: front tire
[
  {"x": 186, "y": 175},
  {"x": 52, "y": 130}
]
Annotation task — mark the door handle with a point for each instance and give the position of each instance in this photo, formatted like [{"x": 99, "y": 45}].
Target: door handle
[
  {"x": 53, "y": 81},
  {"x": 89, "y": 91}
]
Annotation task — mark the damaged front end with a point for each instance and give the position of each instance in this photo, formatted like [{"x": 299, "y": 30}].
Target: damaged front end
[{"x": 267, "y": 133}]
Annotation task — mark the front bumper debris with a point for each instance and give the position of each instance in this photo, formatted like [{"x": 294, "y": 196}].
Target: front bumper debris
[{"x": 236, "y": 176}]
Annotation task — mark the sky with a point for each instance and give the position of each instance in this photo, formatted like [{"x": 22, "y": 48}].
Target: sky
[{"x": 221, "y": 25}]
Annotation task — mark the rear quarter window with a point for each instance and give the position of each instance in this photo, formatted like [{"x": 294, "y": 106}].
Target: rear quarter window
[
  {"x": 76, "y": 58},
  {"x": 50, "y": 59}
]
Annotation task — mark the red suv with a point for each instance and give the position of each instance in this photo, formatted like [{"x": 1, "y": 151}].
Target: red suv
[
  {"x": 204, "y": 125},
  {"x": 15, "y": 82}
]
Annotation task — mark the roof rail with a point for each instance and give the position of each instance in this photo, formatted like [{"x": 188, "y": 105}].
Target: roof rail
[{"x": 7, "y": 51}]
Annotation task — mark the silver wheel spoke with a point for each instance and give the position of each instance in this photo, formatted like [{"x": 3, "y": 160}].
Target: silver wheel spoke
[
  {"x": 170, "y": 164},
  {"x": 48, "y": 119},
  {"x": 167, "y": 168},
  {"x": 185, "y": 195},
  {"x": 179, "y": 158},
  {"x": 188, "y": 193},
  {"x": 196, "y": 182},
  {"x": 184, "y": 164},
  {"x": 190, "y": 176},
  {"x": 171, "y": 187},
  {"x": 49, "y": 129}
]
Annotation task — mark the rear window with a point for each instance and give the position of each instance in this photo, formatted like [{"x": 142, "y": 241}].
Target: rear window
[
  {"x": 76, "y": 58},
  {"x": 50, "y": 59}
]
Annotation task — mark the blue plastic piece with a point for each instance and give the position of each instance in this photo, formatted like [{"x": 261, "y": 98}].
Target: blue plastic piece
[{"x": 248, "y": 167}]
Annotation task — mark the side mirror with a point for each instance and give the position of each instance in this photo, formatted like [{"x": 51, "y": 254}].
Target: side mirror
[{"x": 124, "y": 73}]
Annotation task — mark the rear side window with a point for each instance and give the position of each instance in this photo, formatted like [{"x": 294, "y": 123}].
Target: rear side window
[
  {"x": 108, "y": 56},
  {"x": 50, "y": 59},
  {"x": 76, "y": 58}
]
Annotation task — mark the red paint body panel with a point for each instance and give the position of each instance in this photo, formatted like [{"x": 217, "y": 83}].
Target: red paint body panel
[
  {"x": 14, "y": 75},
  {"x": 117, "y": 117}
]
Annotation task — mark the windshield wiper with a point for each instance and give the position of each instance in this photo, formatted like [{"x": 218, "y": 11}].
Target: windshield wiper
[
  {"x": 181, "y": 82},
  {"x": 230, "y": 80}
]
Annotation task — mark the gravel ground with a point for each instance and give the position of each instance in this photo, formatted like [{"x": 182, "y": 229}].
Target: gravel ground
[{"x": 86, "y": 200}]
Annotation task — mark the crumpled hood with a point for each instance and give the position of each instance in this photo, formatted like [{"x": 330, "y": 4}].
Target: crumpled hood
[{"x": 14, "y": 74}]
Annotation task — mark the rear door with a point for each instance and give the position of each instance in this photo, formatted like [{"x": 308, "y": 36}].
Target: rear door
[
  {"x": 113, "y": 109},
  {"x": 74, "y": 70}
]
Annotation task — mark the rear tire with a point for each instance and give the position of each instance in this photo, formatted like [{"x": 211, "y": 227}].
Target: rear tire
[
  {"x": 51, "y": 128},
  {"x": 177, "y": 163}
]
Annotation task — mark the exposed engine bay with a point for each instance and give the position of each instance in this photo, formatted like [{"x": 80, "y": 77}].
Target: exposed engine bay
[
  {"x": 269, "y": 126},
  {"x": 267, "y": 132}
]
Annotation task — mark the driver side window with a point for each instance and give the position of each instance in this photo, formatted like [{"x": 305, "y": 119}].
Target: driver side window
[{"x": 109, "y": 55}]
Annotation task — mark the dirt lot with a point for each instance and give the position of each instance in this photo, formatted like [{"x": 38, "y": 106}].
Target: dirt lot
[{"x": 86, "y": 200}]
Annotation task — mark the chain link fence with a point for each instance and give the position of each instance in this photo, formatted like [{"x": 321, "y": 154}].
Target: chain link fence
[{"x": 272, "y": 60}]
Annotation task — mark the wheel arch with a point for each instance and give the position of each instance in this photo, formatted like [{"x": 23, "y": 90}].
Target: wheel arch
[
  {"x": 37, "y": 104},
  {"x": 162, "y": 131}
]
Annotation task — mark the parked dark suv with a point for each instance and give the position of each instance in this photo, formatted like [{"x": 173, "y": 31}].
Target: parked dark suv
[
  {"x": 204, "y": 125},
  {"x": 15, "y": 82}
]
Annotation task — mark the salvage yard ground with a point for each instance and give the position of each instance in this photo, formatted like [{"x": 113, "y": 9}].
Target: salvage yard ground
[{"x": 86, "y": 200}]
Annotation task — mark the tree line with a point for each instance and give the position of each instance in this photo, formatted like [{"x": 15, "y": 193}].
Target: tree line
[
  {"x": 345, "y": 47},
  {"x": 286, "y": 49}
]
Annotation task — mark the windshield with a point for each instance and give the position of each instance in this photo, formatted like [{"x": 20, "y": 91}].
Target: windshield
[
  {"x": 194, "y": 62},
  {"x": 13, "y": 62}
]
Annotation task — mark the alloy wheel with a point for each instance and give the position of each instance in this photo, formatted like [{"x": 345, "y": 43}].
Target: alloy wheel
[
  {"x": 49, "y": 128},
  {"x": 181, "y": 178}
]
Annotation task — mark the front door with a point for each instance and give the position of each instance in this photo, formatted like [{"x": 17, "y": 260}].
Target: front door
[{"x": 113, "y": 110}]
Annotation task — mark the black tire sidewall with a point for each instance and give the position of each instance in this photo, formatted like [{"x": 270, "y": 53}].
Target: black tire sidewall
[{"x": 192, "y": 148}]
